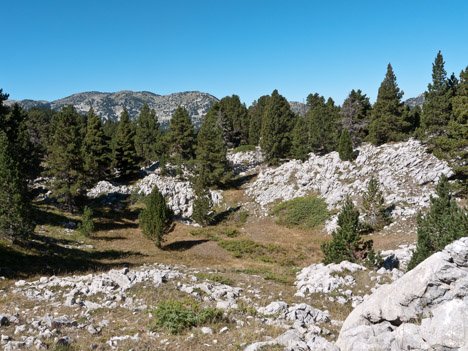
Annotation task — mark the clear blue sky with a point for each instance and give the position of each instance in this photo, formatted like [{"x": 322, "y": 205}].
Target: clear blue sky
[{"x": 52, "y": 49}]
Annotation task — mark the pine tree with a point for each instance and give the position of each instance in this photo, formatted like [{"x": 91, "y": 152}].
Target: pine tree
[
  {"x": 388, "y": 118},
  {"x": 96, "y": 151},
  {"x": 355, "y": 114},
  {"x": 234, "y": 121},
  {"x": 345, "y": 146},
  {"x": 373, "y": 203},
  {"x": 15, "y": 206},
  {"x": 147, "y": 136},
  {"x": 322, "y": 118},
  {"x": 125, "y": 156},
  {"x": 211, "y": 152},
  {"x": 277, "y": 123},
  {"x": 347, "y": 243},
  {"x": 255, "y": 114},
  {"x": 65, "y": 159},
  {"x": 156, "y": 218},
  {"x": 202, "y": 213},
  {"x": 300, "y": 140},
  {"x": 86, "y": 227},
  {"x": 437, "y": 109},
  {"x": 181, "y": 136},
  {"x": 444, "y": 223}
]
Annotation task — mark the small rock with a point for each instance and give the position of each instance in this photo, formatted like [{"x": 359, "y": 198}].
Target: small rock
[{"x": 206, "y": 330}]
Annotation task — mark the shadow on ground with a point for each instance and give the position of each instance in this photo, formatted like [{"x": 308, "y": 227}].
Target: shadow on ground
[{"x": 183, "y": 245}]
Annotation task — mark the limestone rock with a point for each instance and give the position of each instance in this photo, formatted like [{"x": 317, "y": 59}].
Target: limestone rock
[{"x": 435, "y": 293}]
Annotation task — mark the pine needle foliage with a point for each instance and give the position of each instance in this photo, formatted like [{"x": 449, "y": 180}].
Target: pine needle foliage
[
  {"x": 147, "y": 135},
  {"x": 347, "y": 243},
  {"x": 300, "y": 140},
  {"x": 125, "y": 155},
  {"x": 181, "y": 136},
  {"x": 86, "y": 227},
  {"x": 345, "y": 147},
  {"x": 373, "y": 203},
  {"x": 444, "y": 223},
  {"x": 156, "y": 218}
]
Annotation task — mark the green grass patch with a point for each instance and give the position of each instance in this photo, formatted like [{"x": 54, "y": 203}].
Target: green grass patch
[
  {"x": 243, "y": 148},
  {"x": 246, "y": 248},
  {"x": 305, "y": 212},
  {"x": 214, "y": 277},
  {"x": 278, "y": 278},
  {"x": 215, "y": 233},
  {"x": 177, "y": 316}
]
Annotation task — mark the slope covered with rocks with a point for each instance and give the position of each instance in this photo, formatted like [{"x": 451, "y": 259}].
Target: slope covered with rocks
[{"x": 406, "y": 172}]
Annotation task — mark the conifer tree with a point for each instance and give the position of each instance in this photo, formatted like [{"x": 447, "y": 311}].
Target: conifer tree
[
  {"x": 156, "y": 219},
  {"x": 255, "y": 114},
  {"x": 322, "y": 118},
  {"x": 202, "y": 213},
  {"x": 345, "y": 146},
  {"x": 347, "y": 243},
  {"x": 211, "y": 152},
  {"x": 181, "y": 136},
  {"x": 15, "y": 208},
  {"x": 437, "y": 109},
  {"x": 86, "y": 227},
  {"x": 444, "y": 223},
  {"x": 234, "y": 121},
  {"x": 125, "y": 156},
  {"x": 277, "y": 123},
  {"x": 355, "y": 114},
  {"x": 65, "y": 158},
  {"x": 373, "y": 203},
  {"x": 388, "y": 117},
  {"x": 300, "y": 140},
  {"x": 147, "y": 136},
  {"x": 96, "y": 150}
]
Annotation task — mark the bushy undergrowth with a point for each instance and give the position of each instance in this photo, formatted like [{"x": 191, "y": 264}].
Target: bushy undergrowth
[
  {"x": 305, "y": 212},
  {"x": 243, "y": 148},
  {"x": 177, "y": 316}
]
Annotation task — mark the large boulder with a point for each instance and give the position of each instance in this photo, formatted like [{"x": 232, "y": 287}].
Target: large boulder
[{"x": 426, "y": 309}]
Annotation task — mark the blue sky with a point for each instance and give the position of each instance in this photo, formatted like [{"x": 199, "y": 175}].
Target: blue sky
[{"x": 52, "y": 49}]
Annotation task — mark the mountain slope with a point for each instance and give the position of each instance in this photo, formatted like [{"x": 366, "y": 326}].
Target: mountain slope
[{"x": 111, "y": 105}]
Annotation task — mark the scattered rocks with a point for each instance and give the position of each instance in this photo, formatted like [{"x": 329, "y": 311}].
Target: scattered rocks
[
  {"x": 324, "y": 278},
  {"x": 245, "y": 161}
]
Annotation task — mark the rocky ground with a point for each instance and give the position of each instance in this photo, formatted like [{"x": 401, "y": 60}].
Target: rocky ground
[{"x": 278, "y": 298}]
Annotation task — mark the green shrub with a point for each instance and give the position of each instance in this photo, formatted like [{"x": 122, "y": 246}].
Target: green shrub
[
  {"x": 373, "y": 203},
  {"x": 231, "y": 232},
  {"x": 177, "y": 316},
  {"x": 243, "y": 148},
  {"x": 306, "y": 212},
  {"x": 86, "y": 227},
  {"x": 247, "y": 248}
]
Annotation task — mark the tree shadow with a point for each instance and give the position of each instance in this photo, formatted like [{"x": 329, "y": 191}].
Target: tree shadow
[
  {"x": 222, "y": 216},
  {"x": 183, "y": 245},
  {"x": 239, "y": 181},
  {"x": 44, "y": 255}
]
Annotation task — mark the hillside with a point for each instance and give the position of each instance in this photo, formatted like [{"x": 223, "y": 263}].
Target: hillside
[{"x": 111, "y": 105}]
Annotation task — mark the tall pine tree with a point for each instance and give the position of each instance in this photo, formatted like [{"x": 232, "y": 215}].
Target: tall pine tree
[
  {"x": 65, "y": 158},
  {"x": 96, "y": 150},
  {"x": 388, "y": 117},
  {"x": 234, "y": 121},
  {"x": 437, "y": 109},
  {"x": 181, "y": 136},
  {"x": 322, "y": 120},
  {"x": 211, "y": 152},
  {"x": 147, "y": 136},
  {"x": 300, "y": 140},
  {"x": 277, "y": 123},
  {"x": 125, "y": 156},
  {"x": 255, "y": 114},
  {"x": 355, "y": 114}
]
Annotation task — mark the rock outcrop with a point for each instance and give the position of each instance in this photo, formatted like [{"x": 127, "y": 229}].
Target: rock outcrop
[
  {"x": 426, "y": 309},
  {"x": 406, "y": 172},
  {"x": 245, "y": 161}
]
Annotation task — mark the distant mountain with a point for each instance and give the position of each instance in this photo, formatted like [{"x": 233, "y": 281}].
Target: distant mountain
[
  {"x": 111, "y": 105},
  {"x": 416, "y": 101},
  {"x": 299, "y": 108}
]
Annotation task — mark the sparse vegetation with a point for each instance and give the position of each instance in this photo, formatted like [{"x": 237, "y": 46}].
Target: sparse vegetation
[
  {"x": 305, "y": 212},
  {"x": 214, "y": 277},
  {"x": 86, "y": 227},
  {"x": 177, "y": 316}
]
